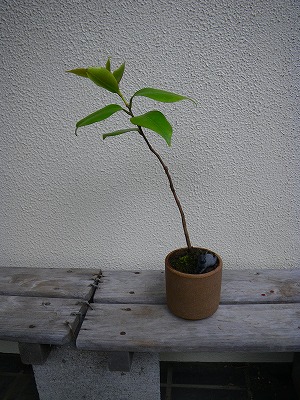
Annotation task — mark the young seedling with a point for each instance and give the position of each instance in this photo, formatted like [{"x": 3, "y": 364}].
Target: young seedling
[{"x": 153, "y": 120}]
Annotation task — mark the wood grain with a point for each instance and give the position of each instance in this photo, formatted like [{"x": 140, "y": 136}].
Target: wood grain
[
  {"x": 48, "y": 282},
  {"x": 152, "y": 328},
  {"x": 40, "y": 320},
  {"x": 240, "y": 286}
]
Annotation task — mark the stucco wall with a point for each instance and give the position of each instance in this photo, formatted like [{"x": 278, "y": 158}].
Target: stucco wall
[{"x": 79, "y": 201}]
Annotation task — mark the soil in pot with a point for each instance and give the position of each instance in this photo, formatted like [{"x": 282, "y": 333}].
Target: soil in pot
[{"x": 195, "y": 261}]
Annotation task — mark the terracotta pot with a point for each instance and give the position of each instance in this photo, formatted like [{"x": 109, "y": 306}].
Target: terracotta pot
[{"x": 192, "y": 296}]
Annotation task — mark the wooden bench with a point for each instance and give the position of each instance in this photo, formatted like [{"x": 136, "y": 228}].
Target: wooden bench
[
  {"x": 41, "y": 307},
  {"x": 259, "y": 312},
  {"x": 121, "y": 312}
]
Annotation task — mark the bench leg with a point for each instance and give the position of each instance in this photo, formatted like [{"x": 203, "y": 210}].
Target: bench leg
[
  {"x": 72, "y": 374},
  {"x": 120, "y": 361},
  {"x": 34, "y": 353},
  {"x": 296, "y": 373}
]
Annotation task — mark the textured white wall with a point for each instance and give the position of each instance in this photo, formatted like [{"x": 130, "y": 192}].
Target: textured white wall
[{"x": 79, "y": 201}]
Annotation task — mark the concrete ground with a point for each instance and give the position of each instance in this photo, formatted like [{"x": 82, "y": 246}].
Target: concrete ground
[{"x": 179, "y": 381}]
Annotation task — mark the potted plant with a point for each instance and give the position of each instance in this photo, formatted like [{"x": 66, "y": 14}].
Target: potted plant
[{"x": 193, "y": 274}]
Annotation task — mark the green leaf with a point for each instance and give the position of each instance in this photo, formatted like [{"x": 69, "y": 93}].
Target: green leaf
[
  {"x": 104, "y": 78},
  {"x": 118, "y": 73},
  {"x": 107, "y": 65},
  {"x": 99, "y": 115},
  {"x": 155, "y": 121},
  {"x": 119, "y": 132},
  {"x": 79, "y": 72},
  {"x": 161, "y": 95}
]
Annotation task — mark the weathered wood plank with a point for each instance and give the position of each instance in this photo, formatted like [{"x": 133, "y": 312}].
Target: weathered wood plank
[
  {"x": 238, "y": 286},
  {"x": 261, "y": 286},
  {"x": 48, "y": 282},
  {"x": 151, "y": 328},
  {"x": 40, "y": 320},
  {"x": 147, "y": 287}
]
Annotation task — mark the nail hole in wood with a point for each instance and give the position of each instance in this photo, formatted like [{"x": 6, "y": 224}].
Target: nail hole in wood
[{"x": 122, "y": 333}]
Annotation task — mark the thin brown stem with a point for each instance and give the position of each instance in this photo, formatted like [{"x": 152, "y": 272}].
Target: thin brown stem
[{"x": 186, "y": 234}]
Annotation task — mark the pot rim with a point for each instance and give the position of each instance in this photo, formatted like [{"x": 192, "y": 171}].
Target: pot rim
[{"x": 193, "y": 276}]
